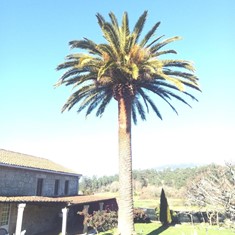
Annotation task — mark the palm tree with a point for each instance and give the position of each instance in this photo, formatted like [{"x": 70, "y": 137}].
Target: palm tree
[{"x": 129, "y": 70}]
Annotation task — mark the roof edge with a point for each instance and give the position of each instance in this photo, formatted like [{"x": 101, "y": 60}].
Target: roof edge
[{"x": 39, "y": 169}]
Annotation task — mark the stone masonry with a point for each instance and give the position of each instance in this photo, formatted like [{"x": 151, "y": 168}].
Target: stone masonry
[{"x": 23, "y": 182}]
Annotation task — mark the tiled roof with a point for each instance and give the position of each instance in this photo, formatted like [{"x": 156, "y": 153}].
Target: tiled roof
[
  {"x": 86, "y": 199},
  {"x": 69, "y": 200},
  {"x": 22, "y": 199},
  {"x": 15, "y": 159}
]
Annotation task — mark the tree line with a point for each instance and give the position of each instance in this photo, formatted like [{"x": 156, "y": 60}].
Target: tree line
[{"x": 173, "y": 178}]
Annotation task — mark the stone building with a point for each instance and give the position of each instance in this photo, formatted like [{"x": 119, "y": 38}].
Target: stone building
[{"x": 37, "y": 195}]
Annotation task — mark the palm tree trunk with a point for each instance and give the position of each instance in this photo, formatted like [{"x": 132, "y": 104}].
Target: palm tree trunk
[{"x": 125, "y": 202}]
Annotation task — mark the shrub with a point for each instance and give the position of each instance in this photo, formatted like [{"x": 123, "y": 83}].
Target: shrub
[
  {"x": 103, "y": 220},
  {"x": 140, "y": 216}
]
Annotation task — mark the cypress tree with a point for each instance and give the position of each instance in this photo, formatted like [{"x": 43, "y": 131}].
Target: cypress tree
[{"x": 165, "y": 214}]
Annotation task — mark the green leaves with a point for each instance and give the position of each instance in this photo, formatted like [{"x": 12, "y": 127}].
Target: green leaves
[{"x": 126, "y": 61}]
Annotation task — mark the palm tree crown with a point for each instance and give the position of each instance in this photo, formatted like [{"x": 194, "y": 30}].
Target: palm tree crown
[{"x": 125, "y": 67}]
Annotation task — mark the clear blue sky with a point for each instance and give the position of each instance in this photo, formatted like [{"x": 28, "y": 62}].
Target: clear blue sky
[{"x": 34, "y": 36}]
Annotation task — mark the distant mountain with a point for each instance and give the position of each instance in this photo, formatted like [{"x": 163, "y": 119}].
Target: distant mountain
[
  {"x": 175, "y": 166},
  {"x": 178, "y": 166}
]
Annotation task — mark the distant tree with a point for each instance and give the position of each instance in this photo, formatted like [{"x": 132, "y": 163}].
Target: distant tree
[
  {"x": 86, "y": 186},
  {"x": 214, "y": 188},
  {"x": 165, "y": 214}
]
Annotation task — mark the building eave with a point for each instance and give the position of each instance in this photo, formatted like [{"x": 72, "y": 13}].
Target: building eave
[{"x": 40, "y": 170}]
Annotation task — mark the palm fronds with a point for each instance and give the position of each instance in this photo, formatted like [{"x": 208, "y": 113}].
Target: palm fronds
[{"x": 127, "y": 61}]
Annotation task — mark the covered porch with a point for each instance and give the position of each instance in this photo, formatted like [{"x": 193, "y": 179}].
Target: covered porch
[{"x": 34, "y": 215}]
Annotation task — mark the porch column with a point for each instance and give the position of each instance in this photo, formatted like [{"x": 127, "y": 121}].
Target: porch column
[
  {"x": 20, "y": 212},
  {"x": 101, "y": 204},
  {"x": 64, "y": 220},
  {"x": 85, "y": 212}
]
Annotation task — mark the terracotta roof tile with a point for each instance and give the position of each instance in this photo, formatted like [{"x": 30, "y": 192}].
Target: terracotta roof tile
[
  {"x": 86, "y": 199},
  {"x": 79, "y": 199},
  {"x": 23, "y": 160},
  {"x": 21, "y": 199}
]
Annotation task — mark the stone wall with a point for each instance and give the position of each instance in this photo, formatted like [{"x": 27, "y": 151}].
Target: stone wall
[
  {"x": 195, "y": 217},
  {"x": 23, "y": 182}
]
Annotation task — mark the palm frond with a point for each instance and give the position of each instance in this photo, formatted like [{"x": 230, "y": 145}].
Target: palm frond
[
  {"x": 85, "y": 44},
  {"x": 179, "y": 64},
  {"x": 88, "y": 100},
  {"x": 165, "y": 99},
  {"x": 140, "y": 109},
  {"x": 114, "y": 20},
  {"x": 178, "y": 98},
  {"x": 173, "y": 80},
  {"x": 162, "y": 93},
  {"x": 135, "y": 71},
  {"x": 95, "y": 102},
  {"x": 163, "y": 43},
  {"x": 67, "y": 64},
  {"x": 154, "y": 41},
  {"x": 106, "y": 100},
  {"x": 149, "y": 34},
  {"x": 154, "y": 107},
  {"x": 189, "y": 84},
  {"x": 77, "y": 96},
  {"x": 158, "y": 53},
  {"x": 125, "y": 25},
  {"x": 112, "y": 37},
  {"x": 103, "y": 69},
  {"x": 139, "y": 26},
  {"x": 189, "y": 76},
  {"x": 68, "y": 74},
  {"x": 144, "y": 97},
  {"x": 133, "y": 112},
  {"x": 81, "y": 78},
  {"x": 100, "y": 19},
  {"x": 168, "y": 92},
  {"x": 105, "y": 48},
  {"x": 163, "y": 83},
  {"x": 124, "y": 34}
]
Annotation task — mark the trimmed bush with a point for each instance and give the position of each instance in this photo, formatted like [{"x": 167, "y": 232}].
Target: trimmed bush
[{"x": 165, "y": 214}]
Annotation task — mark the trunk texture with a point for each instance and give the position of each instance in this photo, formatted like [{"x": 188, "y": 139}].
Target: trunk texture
[{"x": 125, "y": 202}]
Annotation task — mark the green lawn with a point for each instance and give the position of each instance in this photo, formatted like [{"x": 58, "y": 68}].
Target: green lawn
[
  {"x": 174, "y": 203},
  {"x": 184, "y": 229}
]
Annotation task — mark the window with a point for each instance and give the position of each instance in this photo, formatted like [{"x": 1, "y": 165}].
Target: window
[
  {"x": 56, "y": 189},
  {"x": 66, "y": 187},
  {"x": 4, "y": 214},
  {"x": 39, "y": 187}
]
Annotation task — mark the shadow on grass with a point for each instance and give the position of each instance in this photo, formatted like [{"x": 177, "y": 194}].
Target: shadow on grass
[{"x": 159, "y": 230}]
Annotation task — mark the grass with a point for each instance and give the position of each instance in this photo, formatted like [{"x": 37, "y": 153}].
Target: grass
[
  {"x": 174, "y": 203},
  {"x": 183, "y": 229}
]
